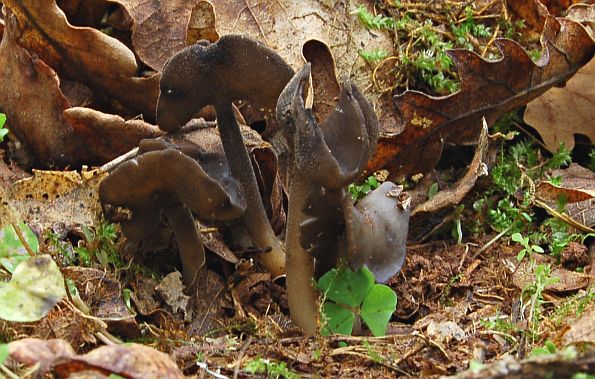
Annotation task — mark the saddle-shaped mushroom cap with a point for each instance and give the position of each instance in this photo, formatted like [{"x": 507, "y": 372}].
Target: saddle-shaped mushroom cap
[{"x": 168, "y": 181}]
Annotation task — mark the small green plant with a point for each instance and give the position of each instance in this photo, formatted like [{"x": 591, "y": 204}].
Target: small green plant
[
  {"x": 528, "y": 248},
  {"x": 3, "y": 130},
  {"x": 573, "y": 306},
  {"x": 433, "y": 190},
  {"x": 270, "y": 368},
  {"x": 583, "y": 375},
  {"x": 500, "y": 324},
  {"x": 457, "y": 227},
  {"x": 469, "y": 27},
  {"x": 359, "y": 191},
  {"x": 533, "y": 294},
  {"x": 592, "y": 160},
  {"x": 374, "y": 21},
  {"x": 373, "y": 56},
  {"x": 351, "y": 296},
  {"x": 548, "y": 348},
  {"x": 372, "y": 353}
]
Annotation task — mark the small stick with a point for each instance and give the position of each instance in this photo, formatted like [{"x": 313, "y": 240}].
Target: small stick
[
  {"x": 111, "y": 165},
  {"x": 491, "y": 242},
  {"x": 21, "y": 237}
]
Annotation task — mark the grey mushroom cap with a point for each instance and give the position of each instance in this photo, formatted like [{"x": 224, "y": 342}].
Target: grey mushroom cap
[
  {"x": 154, "y": 180},
  {"x": 334, "y": 153},
  {"x": 236, "y": 67},
  {"x": 379, "y": 224}
]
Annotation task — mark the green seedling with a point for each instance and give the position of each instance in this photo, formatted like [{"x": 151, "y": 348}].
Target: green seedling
[
  {"x": 528, "y": 248},
  {"x": 351, "y": 296},
  {"x": 534, "y": 293},
  {"x": 374, "y": 21},
  {"x": 548, "y": 348},
  {"x": 457, "y": 227},
  {"x": 433, "y": 190},
  {"x": 3, "y": 130},
  {"x": 99, "y": 243},
  {"x": 270, "y": 368},
  {"x": 360, "y": 191},
  {"x": 373, "y": 56},
  {"x": 469, "y": 27}
]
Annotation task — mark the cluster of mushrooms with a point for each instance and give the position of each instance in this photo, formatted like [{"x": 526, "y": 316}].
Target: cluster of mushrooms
[{"x": 324, "y": 226}]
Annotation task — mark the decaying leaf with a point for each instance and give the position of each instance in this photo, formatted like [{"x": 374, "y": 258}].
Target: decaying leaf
[
  {"x": 488, "y": 89},
  {"x": 160, "y": 28},
  {"x": 560, "y": 113},
  {"x": 523, "y": 277},
  {"x": 583, "y": 330},
  {"x": 102, "y": 293},
  {"x": 577, "y": 191},
  {"x": 130, "y": 360},
  {"x": 285, "y": 26},
  {"x": 171, "y": 290},
  {"x": 83, "y": 54},
  {"x": 455, "y": 195},
  {"x": 50, "y": 197},
  {"x": 30, "y": 351},
  {"x": 36, "y": 286},
  {"x": 41, "y": 118}
]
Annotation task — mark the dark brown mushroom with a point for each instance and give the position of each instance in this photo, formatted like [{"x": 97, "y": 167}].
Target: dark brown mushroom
[
  {"x": 233, "y": 68},
  {"x": 327, "y": 158},
  {"x": 164, "y": 180},
  {"x": 323, "y": 223}
]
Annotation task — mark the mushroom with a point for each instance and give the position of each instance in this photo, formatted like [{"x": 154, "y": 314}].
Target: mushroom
[
  {"x": 164, "y": 180},
  {"x": 233, "y": 68},
  {"x": 327, "y": 158},
  {"x": 323, "y": 224},
  {"x": 377, "y": 229}
]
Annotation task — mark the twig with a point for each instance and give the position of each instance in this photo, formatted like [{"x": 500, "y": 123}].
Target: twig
[
  {"x": 21, "y": 237},
  {"x": 264, "y": 37},
  {"x": 564, "y": 217},
  {"x": 238, "y": 364},
  {"x": 108, "y": 338},
  {"x": 491, "y": 242},
  {"x": 111, "y": 165},
  {"x": 8, "y": 373}
]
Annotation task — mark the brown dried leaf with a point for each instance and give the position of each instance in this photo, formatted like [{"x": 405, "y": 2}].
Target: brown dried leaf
[
  {"x": 488, "y": 89},
  {"x": 40, "y": 116},
  {"x": 455, "y": 195},
  {"x": 103, "y": 294},
  {"x": 578, "y": 187},
  {"x": 57, "y": 197},
  {"x": 29, "y": 351},
  {"x": 567, "y": 280},
  {"x": 130, "y": 361},
  {"x": 560, "y": 113},
  {"x": 583, "y": 329},
  {"x": 171, "y": 290},
  {"x": 83, "y": 54},
  {"x": 160, "y": 27}
]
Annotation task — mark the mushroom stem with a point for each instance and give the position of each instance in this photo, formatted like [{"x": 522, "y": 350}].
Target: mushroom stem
[
  {"x": 192, "y": 252},
  {"x": 255, "y": 217},
  {"x": 302, "y": 295}
]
